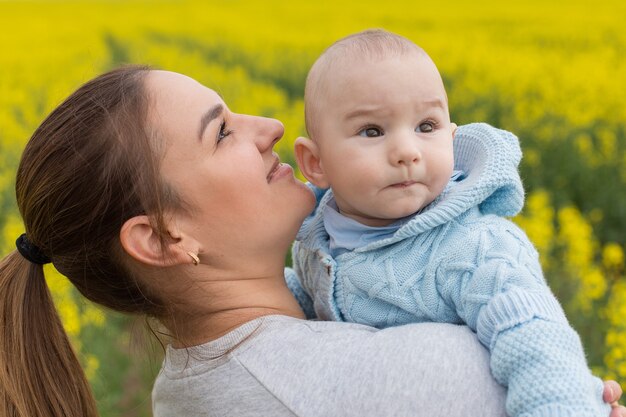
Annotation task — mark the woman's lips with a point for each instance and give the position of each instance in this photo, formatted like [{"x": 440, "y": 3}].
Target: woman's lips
[{"x": 279, "y": 171}]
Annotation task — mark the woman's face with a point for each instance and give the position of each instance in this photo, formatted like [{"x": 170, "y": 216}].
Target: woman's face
[{"x": 242, "y": 201}]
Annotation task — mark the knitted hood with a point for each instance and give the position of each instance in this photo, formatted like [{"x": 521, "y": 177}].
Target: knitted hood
[{"x": 488, "y": 158}]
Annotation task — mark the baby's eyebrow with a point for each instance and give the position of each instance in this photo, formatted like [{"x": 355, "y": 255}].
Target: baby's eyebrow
[
  {"x": 437, "y": 102},
  {"x": 362, "y": 111}
]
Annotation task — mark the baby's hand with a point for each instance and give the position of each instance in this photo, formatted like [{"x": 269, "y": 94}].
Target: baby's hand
[{"x": 612, "y": 392}]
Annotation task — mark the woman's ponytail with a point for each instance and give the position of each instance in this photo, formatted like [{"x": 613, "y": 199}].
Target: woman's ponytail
[{"x": 40, "y": 374}]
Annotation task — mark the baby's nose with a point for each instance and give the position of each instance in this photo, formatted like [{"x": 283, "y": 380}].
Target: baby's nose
[{"x": 405, "y": 151}]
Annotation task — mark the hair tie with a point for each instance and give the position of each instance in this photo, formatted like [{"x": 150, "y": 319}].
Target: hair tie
[{"x": 31, "y": 252}]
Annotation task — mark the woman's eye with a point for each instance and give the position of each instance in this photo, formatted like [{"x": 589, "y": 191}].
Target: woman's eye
[
  {"x": 370, "y": 132},
  {"x": 426, "y": 127},
  {"x": 223, "y": 132}
]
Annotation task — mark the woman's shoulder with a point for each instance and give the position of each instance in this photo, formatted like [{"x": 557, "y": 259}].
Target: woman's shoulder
[
  {"x": 418, "y": 368},
  {"x": 333, "y": 340},
  {"x": 318, "y": 368}
]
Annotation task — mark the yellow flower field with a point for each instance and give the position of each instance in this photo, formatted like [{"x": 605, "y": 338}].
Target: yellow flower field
[{"x": 551, "y": 73}]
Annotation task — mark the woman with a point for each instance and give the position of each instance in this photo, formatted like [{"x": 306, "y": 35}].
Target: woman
[{"x": 153, "y": 198}]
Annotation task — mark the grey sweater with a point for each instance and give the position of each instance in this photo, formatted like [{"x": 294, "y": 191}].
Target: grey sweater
[{"x": 280, "y": 366}]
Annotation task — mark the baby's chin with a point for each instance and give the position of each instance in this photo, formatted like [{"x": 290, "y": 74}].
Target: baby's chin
[
  {"x": 402, "y": 212},
  {"x": 379, "y": 216},
  {"x": 388, "y": 217}
]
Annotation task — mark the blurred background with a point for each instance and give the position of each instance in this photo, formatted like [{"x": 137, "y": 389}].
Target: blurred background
[{"x": 553, "y": 74}]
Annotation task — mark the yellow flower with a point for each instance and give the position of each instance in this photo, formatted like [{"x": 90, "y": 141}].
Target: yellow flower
[
  {"x": 537, "y": 220},
  {"x": 593, "y": 284},
  {"x": 612, "y": 256},
  {"x": 91, "y": 366},
  {"x": 93, "y": 315}
]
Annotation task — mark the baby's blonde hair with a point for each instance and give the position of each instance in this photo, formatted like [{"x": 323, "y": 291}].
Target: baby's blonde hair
[{"x": 368, "y": 44}]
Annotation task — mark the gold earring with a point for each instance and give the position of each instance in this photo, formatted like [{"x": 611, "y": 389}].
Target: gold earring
[{"x": 194, "y": 258}]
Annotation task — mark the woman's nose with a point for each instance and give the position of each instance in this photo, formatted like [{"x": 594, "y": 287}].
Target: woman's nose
[{"x": 268, "y": 132}]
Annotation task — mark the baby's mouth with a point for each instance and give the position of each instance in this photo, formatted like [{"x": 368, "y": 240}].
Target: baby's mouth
[{"x": 404, "y": 184}]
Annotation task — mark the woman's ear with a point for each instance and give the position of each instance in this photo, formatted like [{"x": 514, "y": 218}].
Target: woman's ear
[
  {"x": 307, "y": 156},
  {"x": 141, "y": 242}
]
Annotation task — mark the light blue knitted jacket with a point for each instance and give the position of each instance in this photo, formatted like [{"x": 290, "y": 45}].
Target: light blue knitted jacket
[{"x": 459, "y": 261}]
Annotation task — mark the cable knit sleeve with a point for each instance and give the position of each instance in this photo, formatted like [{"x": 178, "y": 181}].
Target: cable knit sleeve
[
  {"x": 543, "y": 365},
  {"x": 534, "y": 351}
]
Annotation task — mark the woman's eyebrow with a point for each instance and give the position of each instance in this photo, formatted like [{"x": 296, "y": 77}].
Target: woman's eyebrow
[{"x": 208, "y": 117}]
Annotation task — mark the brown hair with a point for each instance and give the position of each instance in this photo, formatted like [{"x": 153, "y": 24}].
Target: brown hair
[
  {"x": 368, "y": 44},
  {"x": 88, "y": 168}
]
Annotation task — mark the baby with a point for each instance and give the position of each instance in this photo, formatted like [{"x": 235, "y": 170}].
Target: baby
[{"x": 412, "y": 229}]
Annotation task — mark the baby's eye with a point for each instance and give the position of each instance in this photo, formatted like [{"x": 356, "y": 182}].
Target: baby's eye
[
  {"x": 426, "y": 127},
  {"x": 370, "y": 132}
]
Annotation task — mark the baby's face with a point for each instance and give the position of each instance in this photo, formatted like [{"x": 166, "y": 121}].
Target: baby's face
[{"x": 385, "y": 137}]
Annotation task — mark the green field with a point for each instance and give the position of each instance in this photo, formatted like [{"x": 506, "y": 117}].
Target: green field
[{"x": 552, "y": 74}]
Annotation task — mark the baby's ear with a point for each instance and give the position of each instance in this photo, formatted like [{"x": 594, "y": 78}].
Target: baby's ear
[
  {"x": 307, "y": 156},
  {"x": 454, "y": 126}
]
